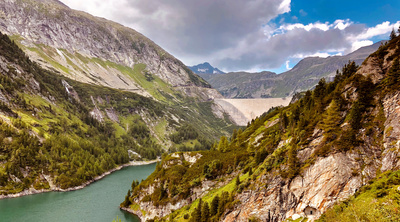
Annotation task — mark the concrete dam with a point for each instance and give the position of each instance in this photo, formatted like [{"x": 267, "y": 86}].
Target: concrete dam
[{"x": 244, "y": 110}]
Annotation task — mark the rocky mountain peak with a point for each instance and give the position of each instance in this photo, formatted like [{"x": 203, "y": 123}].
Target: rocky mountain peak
[
  {"x": 90, "y": 49},
  {"x": 205, "y": 68}
]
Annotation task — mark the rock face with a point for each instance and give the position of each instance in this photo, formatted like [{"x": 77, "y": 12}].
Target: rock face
[
  {"x": 90, "y": 49},
  {"x": 391, "y": 140},
  {"x": 327, "y": 181}
]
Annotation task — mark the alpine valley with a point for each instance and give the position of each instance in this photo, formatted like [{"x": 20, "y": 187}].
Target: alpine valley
[{"x": 82, "y": 95}]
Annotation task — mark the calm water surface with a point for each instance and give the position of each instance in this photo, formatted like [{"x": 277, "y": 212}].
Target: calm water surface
[{"x": 96, "y": 202}]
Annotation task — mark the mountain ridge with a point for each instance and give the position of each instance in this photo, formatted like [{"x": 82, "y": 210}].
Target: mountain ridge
[
  {"x": 303, "y": 76},
  {"x": 71, "y": 42}
]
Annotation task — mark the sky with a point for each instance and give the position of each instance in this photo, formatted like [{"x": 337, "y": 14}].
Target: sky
[{"x": 252, "y": 35}]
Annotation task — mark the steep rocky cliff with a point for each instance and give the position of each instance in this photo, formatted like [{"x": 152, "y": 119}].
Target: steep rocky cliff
[
  {"x": 297, "y": 161},
  {"x": 95, "y": 50}
]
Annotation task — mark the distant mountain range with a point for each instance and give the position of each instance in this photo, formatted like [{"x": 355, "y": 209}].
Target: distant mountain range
[
  {"x": 205, "y": 68},
  {"x": 305, "y": 75}
]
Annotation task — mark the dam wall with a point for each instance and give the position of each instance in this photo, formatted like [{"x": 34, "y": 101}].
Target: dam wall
[{"x": 244, "y": 110}]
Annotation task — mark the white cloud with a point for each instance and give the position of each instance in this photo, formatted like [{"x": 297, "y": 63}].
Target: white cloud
[
  {"x": 358, "y": 44},
  {"x": 317, "y": 54},
  {"x": 317, "y": 25},
  {"x": 288, "y": 65},
  {"x": 342, "y": 24},
  {"x": 338, "y": 54},
  {"x": 380, "y": 29},
  {"x": 284, "y": 7},
  {"x": 338, "y": 24},
  {"x": 233, "y": 35}
]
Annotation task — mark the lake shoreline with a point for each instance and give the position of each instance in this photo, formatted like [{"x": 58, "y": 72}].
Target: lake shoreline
[
  {"x": 128, "y": 210},
  {"x": 32, "y": 191}
]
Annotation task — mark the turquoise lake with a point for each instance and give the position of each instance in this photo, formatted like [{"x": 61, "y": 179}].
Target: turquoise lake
[{"x": 96, "y": 202}]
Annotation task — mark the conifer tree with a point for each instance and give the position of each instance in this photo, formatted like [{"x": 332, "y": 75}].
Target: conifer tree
[
  {"x": 222, "y": 201},
  {"x": 214, "y": 146},
  {"x": 237, "y": 181},
  {"x": 331, "y": 121},
  {"x": 214, "y": 205},
  {"x": 223, "y": 144},
  {"x": 394, "y": 73},
  {"x": 319, "y": 90},
  {"x": 197, "y": 213},
  {"x": 239, "y": 135},
  {"x": 349, "y": 69},
  {"x": 284, "y": 121},
  {"x": 393, "y": 34},
  {"x": 205, "y": 212},
  {"x": 234, "y": 135},
  {"x": 127, "y": 201},
  {"x": 356, "y": 116},
  {"x": 293, "y": 162},
  {"x": 134, "y": 184}
]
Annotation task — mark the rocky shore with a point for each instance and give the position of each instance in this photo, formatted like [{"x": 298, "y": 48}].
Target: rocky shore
[{"x": 32, "y": 190}]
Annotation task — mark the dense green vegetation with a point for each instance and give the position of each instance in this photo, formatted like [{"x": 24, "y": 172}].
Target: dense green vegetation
[
  {"x": 270, "y": 143},
  {"x": 52, "y": 125}
]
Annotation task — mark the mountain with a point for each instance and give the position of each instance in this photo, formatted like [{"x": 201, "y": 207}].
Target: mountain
[
  {"x": 333, "y": 155},
  {"x": 205, "y": 68},
  {"x": 81, "y": 96},
  {"x": 304, "y": 76},
  {"x": 98, "y": 51},
  {"x": 244, "y": 84},
  {"x": 57, "y": 133}
]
